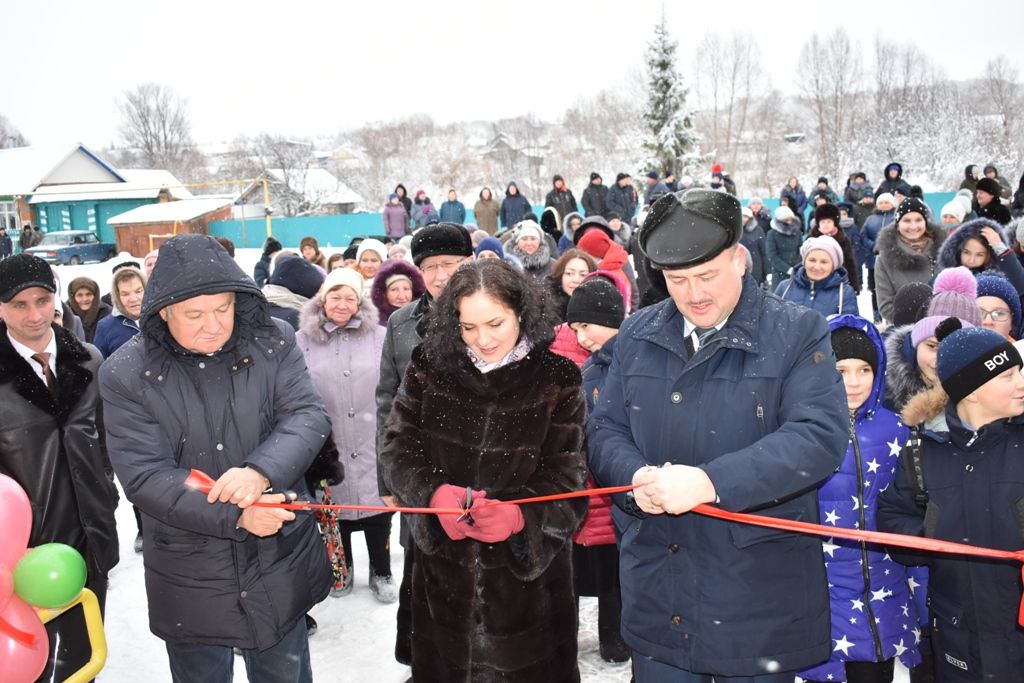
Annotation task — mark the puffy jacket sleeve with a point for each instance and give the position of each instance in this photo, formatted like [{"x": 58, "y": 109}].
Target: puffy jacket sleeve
[
  {"x": 811, "y": 439},
  {"x": 301, "y": 424},
  {"x": 144, "y": 460},
  {"x": 885, "y": 288},
  {"x": 403, "y": 464},
  {"x": 387, "y": 387},
  {"x": 1011, "y": 267},
  {"x": 387, "y": 221},
  {"x": 899, "y": 513}
]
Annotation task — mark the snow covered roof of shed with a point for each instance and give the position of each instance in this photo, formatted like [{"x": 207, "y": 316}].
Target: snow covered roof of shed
[
  {"x": 24, "y": 169},
  {"x": 140, "y": 184},
  {"x": 167, "y": 212}
]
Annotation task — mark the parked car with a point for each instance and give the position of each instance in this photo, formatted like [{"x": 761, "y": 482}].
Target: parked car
[{"x": 71, "y": 247}]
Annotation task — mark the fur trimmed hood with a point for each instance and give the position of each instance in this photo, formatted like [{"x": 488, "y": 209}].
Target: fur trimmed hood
[
  {"x": 949, "y": 254},
  {"x": 902, "y": 257},
  {"x": 379, "y": 290},
  {"x": 311, "y": 319},
  {"x": 925, "y": 405},
  {"x": 902, "y": 379}
]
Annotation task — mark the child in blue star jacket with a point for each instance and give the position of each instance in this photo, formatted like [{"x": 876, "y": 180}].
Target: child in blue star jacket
[
  {"x": 972, "y": 481},
  {"x": 873, "y": 622}
]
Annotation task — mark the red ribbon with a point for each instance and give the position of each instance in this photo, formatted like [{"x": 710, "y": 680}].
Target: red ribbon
[{"x": 202, "y": 482}]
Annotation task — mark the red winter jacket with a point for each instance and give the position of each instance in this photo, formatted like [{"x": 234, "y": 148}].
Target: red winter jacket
[{"x": 598, "y": 528}]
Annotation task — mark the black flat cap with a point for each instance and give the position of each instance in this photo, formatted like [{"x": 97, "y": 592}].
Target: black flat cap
[
  {"x": 690, "y": 227},
  {"x": 21, "y": 271}
]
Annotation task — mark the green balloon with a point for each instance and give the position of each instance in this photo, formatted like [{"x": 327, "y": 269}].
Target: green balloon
[{"x": 50, "y": 575}]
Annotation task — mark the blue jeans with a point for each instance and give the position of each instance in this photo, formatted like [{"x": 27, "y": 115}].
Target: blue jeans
[
  {"x": 647, "y": 670},
  {"x": 286, "y": 662}
]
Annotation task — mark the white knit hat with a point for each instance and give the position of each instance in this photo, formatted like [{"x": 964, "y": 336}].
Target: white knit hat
[
  {"x": 338, "y": 277},
  {"x": 371, "y": 244},
  {"x": 528, "y": 227},
  {"x": 954, "y": 208}
]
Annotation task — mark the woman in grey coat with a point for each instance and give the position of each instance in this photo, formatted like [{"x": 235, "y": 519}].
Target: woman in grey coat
[
  {"x": 908, "y": 251},
  {"x": 341, "y": 339}
]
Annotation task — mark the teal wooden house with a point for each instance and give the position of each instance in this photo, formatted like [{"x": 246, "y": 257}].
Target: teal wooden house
[{"x": 91, "y": 206}]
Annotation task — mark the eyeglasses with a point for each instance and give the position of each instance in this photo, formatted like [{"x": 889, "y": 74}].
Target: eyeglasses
[
  {"x": 997, "y": 316},
  {"x": 448, "y": 267}
]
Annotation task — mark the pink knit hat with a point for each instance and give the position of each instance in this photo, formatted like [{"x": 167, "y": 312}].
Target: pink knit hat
[
  {"x": 956, "y": 293},
  {"x": 826, "y": 244}
]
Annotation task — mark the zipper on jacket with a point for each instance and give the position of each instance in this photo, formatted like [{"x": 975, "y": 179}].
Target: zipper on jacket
[
  {"x": 760, "y": 417},
  {"x": 865, "y": 568}
]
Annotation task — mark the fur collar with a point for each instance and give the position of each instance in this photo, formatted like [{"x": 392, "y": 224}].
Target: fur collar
[
  {"x": 72, "y": 376},
  {"x": 924, "y": 406},
  {"x": 902, "y": 257},
  {"x": 902, "y": 380},
  {"x": 535, "y": 261},
  {"x": 311, "y": 319}
]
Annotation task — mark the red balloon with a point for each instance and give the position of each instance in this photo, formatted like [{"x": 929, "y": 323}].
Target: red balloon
[
  {"x": 6, "y": 586},
  {"x": 21, "y": 662},
  {"x": 15, "y": 521}
]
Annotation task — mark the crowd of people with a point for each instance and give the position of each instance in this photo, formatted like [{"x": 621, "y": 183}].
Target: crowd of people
[{"x": 669, "y": 338}]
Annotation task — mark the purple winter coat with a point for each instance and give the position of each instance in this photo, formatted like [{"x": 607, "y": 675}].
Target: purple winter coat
[
  {"x": 396, "y": 220},
  {"x": 345, "y": 365},
  {"x": 872, "y": 616}
]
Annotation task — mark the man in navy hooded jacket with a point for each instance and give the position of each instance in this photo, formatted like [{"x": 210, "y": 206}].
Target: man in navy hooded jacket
[{"x": 726, "y": 395}]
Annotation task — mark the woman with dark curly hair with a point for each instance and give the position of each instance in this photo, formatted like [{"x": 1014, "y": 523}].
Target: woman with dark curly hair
[{"x": 493, "y": 415}]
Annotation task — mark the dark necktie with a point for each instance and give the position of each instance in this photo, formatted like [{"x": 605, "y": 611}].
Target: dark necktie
[
  {"x": 44, "y": 360},
  {"x": 703, "y": 334}
]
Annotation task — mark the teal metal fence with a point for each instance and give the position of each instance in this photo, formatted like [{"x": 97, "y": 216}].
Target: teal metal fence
[{"x": 337, "y": 231}]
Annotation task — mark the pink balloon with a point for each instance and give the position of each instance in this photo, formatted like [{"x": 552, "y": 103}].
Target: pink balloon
[
  {"x": 22, "y": 663},
  {"x": 6, "y": 586},
  {"x": 15, "y": 521}
]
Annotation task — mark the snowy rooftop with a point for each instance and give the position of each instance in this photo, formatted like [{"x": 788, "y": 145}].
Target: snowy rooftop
[
  {"x": 318, "y": 185},
  {"x": 141, "y": 184},
  {"x": 183, "y": 210},
  {"x": 23, "y": 169}
]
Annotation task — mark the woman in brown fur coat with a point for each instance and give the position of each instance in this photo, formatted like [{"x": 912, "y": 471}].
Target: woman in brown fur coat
[{"x": 493, "y": 412}]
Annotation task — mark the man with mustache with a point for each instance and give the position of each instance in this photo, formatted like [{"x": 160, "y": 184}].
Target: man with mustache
[{"x": 721, "y": 394}]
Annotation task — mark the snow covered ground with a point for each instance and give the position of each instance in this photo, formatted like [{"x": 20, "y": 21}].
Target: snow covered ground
[{"x": 355, "y": 641}]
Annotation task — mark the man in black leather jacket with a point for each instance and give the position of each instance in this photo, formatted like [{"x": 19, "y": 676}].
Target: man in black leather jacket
[{"x": 50, "y": 440}]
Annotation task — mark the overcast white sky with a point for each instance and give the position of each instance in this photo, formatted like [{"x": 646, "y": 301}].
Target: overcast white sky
[{"x": 308, "y": 68}]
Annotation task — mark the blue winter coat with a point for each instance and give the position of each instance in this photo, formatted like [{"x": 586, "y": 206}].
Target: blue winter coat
[
  {"x": 112, "y": 332},
  {"x": 513, "y": 208},
  {"x": 975, "y": 485},
  {"x": 798, "y": 195},
  {"x": 762, "y": 410},
  {"x": 595, "y": 370},
  {"x": 453, "y": 212},
  {"x": 831, "y": 296},
  {"x": 869, "y": 234},
  {"x": 868, "y": 591}
]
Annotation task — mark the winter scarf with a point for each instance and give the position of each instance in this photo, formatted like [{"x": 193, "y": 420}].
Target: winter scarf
[
  {"x": 277, "y": 295},
  {"x": 518, "y": 352}
]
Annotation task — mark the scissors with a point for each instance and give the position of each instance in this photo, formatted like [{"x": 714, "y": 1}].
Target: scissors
[{"x": 466, "y": 516}]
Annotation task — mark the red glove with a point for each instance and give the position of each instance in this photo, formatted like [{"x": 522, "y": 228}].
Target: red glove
[
  {"x": 450, "y": 496},
  {"x": 493, "y": 523}
]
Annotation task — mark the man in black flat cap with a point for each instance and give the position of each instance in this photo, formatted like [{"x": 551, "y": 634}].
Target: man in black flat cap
[
  {"x": 726, "y": 395},
  {"x": 50, "y": 441}
]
